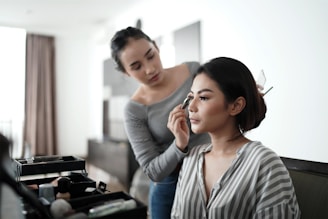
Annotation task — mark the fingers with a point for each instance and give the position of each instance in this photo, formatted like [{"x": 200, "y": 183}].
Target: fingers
[
  {"x": 177, "y": 115},
  {"x": 177, "y": 123},
  {"x": 176, "y": 118}
]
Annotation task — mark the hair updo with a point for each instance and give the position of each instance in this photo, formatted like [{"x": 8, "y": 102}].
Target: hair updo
[
  {"x": 235, "y": 80},
  {"x": 121, "y": 39}
]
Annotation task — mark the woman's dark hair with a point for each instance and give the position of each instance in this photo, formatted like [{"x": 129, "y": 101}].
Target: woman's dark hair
[
  {"x": 121, "y": 39},
  {"x": 235, "y": 80}
]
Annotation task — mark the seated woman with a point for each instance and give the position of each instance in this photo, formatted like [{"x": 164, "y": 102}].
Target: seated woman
[{"x": 233, "y": 176}]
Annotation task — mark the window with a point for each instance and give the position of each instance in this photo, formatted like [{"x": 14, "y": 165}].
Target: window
[{"x": 12, "y": 85}]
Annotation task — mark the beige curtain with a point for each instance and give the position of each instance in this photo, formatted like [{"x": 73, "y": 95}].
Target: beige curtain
[{"x": 40, "y": 115}]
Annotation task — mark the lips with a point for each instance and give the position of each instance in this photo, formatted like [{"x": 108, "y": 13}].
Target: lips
[
  {"x": 154, "y": 78},
  {"x": 193, "y": 120}
]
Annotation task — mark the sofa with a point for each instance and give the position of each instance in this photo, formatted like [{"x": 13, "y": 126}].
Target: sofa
[{"x": 310, "y": 180}]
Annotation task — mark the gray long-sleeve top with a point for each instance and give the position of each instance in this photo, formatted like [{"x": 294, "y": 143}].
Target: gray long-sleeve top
[{"x": 152, "y": 142}]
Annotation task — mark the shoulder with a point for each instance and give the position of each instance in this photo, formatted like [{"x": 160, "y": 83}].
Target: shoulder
[
  {"x": 256, "y": 147},
  {"x": 265, "y": 157},
  {"x": 190, "y": 67},
  {"x": 134, "y": 109},
  {"x": 192, "y": 64}
]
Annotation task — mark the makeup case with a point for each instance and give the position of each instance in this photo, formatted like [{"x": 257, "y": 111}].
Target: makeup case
[
  {"x": 48, "y": 169},
  {"x": 84, "y": 195},
  {"x": 84, "y": 204}
]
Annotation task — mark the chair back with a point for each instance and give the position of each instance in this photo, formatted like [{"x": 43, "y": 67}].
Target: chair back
[{"x": 310, "y": 180}]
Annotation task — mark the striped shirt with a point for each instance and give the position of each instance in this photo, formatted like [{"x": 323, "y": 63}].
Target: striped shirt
[{"x": 256, "y": 185}]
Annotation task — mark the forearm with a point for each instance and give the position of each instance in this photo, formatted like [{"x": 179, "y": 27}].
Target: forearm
[{"x": 158, "y": 165}]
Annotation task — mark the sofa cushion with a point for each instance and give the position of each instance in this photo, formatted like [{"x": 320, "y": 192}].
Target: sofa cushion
[
  {"x": 312, "y": 194},
  {"x": 310, "y": 180}
]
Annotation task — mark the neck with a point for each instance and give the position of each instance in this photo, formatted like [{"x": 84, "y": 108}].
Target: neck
[
  {"x": 228, "y": 144},
  {"x": 160, "y": 85}
]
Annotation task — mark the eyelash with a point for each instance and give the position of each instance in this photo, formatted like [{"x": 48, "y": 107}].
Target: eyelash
[
  {"x": 136, "y": 67},
  {"x": 202, "y": 98},
  {"x": 150, "y": 57}
]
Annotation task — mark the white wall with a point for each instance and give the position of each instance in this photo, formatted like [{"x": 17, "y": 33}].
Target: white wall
[
  {"x": 79, "y": 93},
  {"x": 288, "y": 39}
]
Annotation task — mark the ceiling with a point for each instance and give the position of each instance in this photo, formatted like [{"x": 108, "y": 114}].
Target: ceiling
[{"x": 60, "y": 16}]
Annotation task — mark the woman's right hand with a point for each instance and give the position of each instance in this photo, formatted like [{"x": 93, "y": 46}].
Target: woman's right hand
[{"x": 177, "y": 123}]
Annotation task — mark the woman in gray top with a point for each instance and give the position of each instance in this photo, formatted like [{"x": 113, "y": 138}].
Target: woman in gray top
[{"x": 146, "y": 114}]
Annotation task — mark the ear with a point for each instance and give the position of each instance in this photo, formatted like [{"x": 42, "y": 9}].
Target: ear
[{"x": 237, "y": 106}]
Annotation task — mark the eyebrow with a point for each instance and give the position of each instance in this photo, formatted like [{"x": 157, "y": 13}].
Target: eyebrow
[
  {"x": 203, "y": 90},
  {"x": 148, "y": 51}
]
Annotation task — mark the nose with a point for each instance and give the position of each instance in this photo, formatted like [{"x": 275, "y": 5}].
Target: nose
[
  {"x": 192, "y": 105},
  {"x": 149, "y": 69}
]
